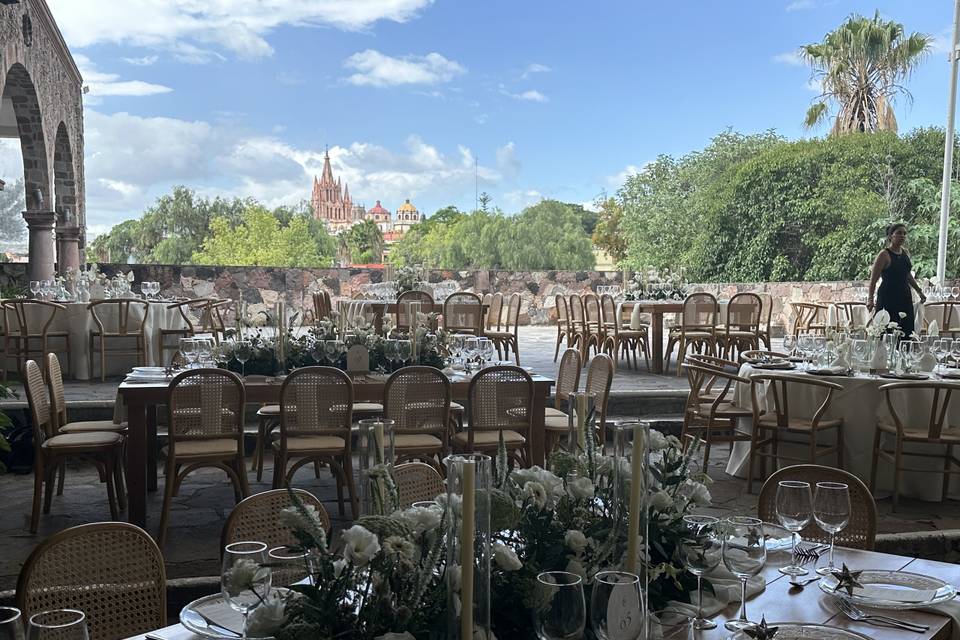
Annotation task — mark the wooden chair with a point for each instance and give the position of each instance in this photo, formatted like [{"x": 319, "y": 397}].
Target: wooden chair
[
  {"x": 854, "y": 314},
  {"x": 507, "y": 340},
  {"x": 404, "y": 313},
  {"x": 417, "y": 399},
  {"x": 463, "y": 313},
  {"x": 128, "y": 327},
  {"x": 593, "y": 316},
  {"x": 697, "y": 329},
  {"x": 947, "y": 315},
  {"x": 709, "y": 414},
  {"x": 52, "y": 449},
  {"x": 417, "y": 482},
  {"x": 714, "y": 387},
  {"x": 220, "y": 316},
  {"x": 582, "y": 338},
  {"x": 196, "y": 317},
  {"x": 741, "y": 328},
  {"x": 809, "y": 317},
  {"x": 28, "y": 331},
  {"x": 205, "y": 413},
  {"x": 556, "y": 420},
  {"x": 494, "y": 309},
  {"x": 759, "y": 354},
  {"x": 316, "y": 413},
  {"x": 772, "y": 422},
  {"x": 861, "y": 531},
  {"x": 766, "y": 320},
  {"x": 563, "y": 324},
  {"x": 111, "y": 571},
  {"x": 619, "y": 337},
  {"x": 936, "y": 432},
  {"x": 500, "y": 401},
  {"x": 258, "y": 518}
]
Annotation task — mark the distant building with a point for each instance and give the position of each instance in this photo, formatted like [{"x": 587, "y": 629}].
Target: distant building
[
  {"x": 382, "y": 217},
  {"x": 407, "y": 216}
]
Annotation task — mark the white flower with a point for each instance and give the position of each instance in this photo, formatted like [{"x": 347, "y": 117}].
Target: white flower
[
  {"x": 536, "y": 493},
  {"x": 338, "y": 567},
  {"x": 661, "y": 501},
  {"x": 551, "y": 483},
  {"x": 902, "y": 314},
  {"x": 580, "y": 488},
  {"x": 264, "y": 620},
  {"x": 306, "y": 521},
  {"x": 395, "y": 545},
  {"x": 658, "y": 441},
  {"x": 396, "y": 636},
  {"x": 576, "y": 568},
  {"x": 360, "y": 545},
  {"x": 454, "y": 574},
  {"x": 455, "y": 502},
  {"x": 423, "y": 519},
  {"x": 696, "y": 493},
  {"x": 242, "y": 576},
  {"x": 505, "y": 557},
  {"x": 575, "y": 540}
]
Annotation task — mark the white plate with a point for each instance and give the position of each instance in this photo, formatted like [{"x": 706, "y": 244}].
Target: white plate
[
  {"x": 798, "y": 630},
  {"x": 893, "y": 590},
  {"x": 215, "y": 608},
  {"x": 149, "y": 370}
]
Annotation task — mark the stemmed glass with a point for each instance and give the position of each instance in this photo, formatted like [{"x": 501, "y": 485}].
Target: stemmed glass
[
  {"x": 289, "y": 567},
  {"x": 486, "y": 350},
  {"x": 860, "y": 352},
  {"x": 404, "y": 351},
  {"x": 561, "y": 612},
  {"x": 701, "y": 552},
  {"x": 204, "y": 350},
  {"x": 11, "y": 624},
  {"x": 941, "y": 349},
  {"x": 471, "y": 347},
  {"x": 34, "y": 287},
  {"x": 331, "y": 351},
  {"x": 58, "y": 624},
  {"x": 794, "y": 510},
  {"x": 670, "y": 624},
  {"x": 955, "y": 351},
  {"x": 831, "y": 510},
  {"x": 223, "y": 353},
  {"x": 790, "y": 344},
  {"x": 805, "y": 346},
  {"x": 390, "y": 352},
  {"x": 316, "y": 350},
  {"x": 243, "y": 352},
  {"x": 245, "y": 577},
  {"x": 744, "y": 554},
  {"x": 188, "y": 348},
  {"x": 616, "y": 610}
]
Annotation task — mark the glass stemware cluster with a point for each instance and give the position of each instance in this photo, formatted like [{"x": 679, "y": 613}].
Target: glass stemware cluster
[
  {"x": 55, "y": 624},
  {"x": 150, "y": 289},
  {"x": 199, "y": 351}
]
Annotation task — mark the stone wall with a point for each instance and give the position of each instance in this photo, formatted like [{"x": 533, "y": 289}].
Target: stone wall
[{"x": 261, "y": 287}]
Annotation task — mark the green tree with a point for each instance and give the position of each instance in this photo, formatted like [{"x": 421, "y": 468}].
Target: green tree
[
  {"x": 12, "y": 204},
  {"x": 260, "y": 240},
  {"x": 364, "y": 241},
  {"x": 607, "y": 234},
  {"x": 119, "y": 245},
  {"x": 860, "y": 66}
]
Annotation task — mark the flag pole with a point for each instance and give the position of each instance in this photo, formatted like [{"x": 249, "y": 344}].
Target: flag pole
[{"x": 948, "y": 151}]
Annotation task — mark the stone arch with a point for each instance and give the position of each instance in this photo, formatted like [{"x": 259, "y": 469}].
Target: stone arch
[
  {"x": 64, "y": 183},
  {"x": 20, "y": 90}
]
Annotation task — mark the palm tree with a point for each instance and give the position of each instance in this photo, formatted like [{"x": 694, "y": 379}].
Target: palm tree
[
  {"x": 860, "y": 66},
  {"x": 365, "y": 237}
]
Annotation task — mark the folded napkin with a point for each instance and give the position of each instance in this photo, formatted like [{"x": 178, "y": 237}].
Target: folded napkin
[
  {"x": 726, "y": 589},
  {"x": 933, "y": 329},
  {"x": 635, "y": 318},
  {"x": 951, "y": 610}
]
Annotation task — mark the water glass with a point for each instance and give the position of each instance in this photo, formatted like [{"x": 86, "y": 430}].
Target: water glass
[
  {"x": 390, "y": 351},
  {"x": 243, "y": 351},
  {"x": 471, "y": 348},
  {"x": 34, "y": 287},
  {"x": 744, "y": 554},
  {"x": 288, "y": 567},
  {"x": 404, "y": 350},
  {"x": 616, "y": 608},
  {"x": 332, "y": 352},
  {"x": 790, "y": 344},
  {"x": 831, "y": 510},
  {"x": 11, "y": 624},
  {"x": 486, "y": 350},
  {"x": 189, "y": 349},
  {"x": 58, "y": 624},
  {"x": 669, "y": 624},
  {"x": 560, "y": 612},
  {"x": 701, "y": 551},
  {"x": 941, "y": 349},
  {"x": 794, "y": 506},
  {"x": 245, "y": 577}
]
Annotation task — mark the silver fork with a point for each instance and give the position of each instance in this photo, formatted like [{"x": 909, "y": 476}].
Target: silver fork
[{"x": 855, "y": 613}]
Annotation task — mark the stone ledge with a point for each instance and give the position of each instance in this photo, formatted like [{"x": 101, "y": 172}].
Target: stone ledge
[{"x": 943, "y": 546}]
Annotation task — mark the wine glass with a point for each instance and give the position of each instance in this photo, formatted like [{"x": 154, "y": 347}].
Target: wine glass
[
  {"x": 860, "y": 351},
  {"x": 790, "y": 344},
  {"x": 906, "y": 352},
  {"x": 941, "y": 349},
  {"x": 223, "y": 353},
  {"x": 831, "y": 510},
  {"x": 245, "y": 577},
  {"x": 390, "y": 351},
  {"x": 794, "y": 510},
  {"x": 701, "y": 553},
  {"x": 457, "y": 342},
  {"x": 58, "y": 624},
  {"x": 470, "y": 348},
  {"x": 670, "y": 624},
  {"x": 486, "y": 350},
  {"x": 331, "y": 351},
  {"x": 205, "y": 351},
  {"x": 560, "y": 612},
  {"x": 616, "y": 610},
  {"x": 744, "y": 554},
  {"x": 243, "y": 352},
  {"x": 11, "y": 624},
  {"x": 289, "y": 567},
  {"x": 404, "y": 351},
  {"x": 188, "y": 349},
  {"x": 34, "y": 287},
  {"x": 316, "y": 350}
]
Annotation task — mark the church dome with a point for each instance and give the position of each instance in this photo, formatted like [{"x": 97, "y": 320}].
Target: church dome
[
  {"x": 406, "y": 207},
  {"x": 377, "y": 212}
]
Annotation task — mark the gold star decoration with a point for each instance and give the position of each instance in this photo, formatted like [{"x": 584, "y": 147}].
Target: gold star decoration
[
  {"x": 847, "y": 580},
  {"x": 762, "y": 631}
]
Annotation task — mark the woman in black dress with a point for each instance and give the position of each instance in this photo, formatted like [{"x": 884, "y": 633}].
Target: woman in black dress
[{"x": 894, "y": 266}]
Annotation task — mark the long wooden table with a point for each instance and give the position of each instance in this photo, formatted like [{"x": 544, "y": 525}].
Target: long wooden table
[
  {"x": 778, "y": 603},
  {"x": 142, "y": 400}
]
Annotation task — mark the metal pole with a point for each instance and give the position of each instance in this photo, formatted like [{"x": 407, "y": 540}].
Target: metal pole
[{"x": 948, "y": 151}]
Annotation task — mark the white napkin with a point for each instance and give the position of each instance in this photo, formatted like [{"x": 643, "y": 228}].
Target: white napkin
[
  {"x": 918, "y": 317},
  {"x": 832, "y": 316},
  {"x": 933, "y": 329},
  {"x": 726, "y": 590},
  {"x": 951, "y": 610},
  {"x": 635, "y": 318}
]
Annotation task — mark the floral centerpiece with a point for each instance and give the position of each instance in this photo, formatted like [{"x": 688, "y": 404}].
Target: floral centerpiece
[
  {"x": 655, "y": 284},
  {"x": 386, "y": 578},
  {"x": 409, "y": 278}
]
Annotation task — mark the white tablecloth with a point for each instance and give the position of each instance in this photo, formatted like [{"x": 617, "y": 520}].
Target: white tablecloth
[
  {"x": 78, "y": 322},
  {"x": 861, "y": 404}
]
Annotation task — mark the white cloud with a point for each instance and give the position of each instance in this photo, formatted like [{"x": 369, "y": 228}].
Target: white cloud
[
  {"x": 530, "y": 95},
  {"x": 481, "y": 118},
  {"x": 507, "y": 161},
  {"x": 144, "y": 61},
  {"x": 618, "y": 179},
  {"x": 942, "y": 41},
  {"x": 110, "y": 84},
  {"x": 290, "y": 78},
  {"x": 376, "y": 69},
  {"x": 520, "y": 199},
  {"x": 800, "y": 5},
  {"x": 791, "y": 58},
  {"x": 238, "y": 26},
  {"x": 535, "y": 67}
]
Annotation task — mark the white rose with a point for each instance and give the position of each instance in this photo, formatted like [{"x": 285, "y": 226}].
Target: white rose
[
  {"x": 658, "y": 441},
  {"x": 306, "y": 521},
  {"x": 265, "y": 619},
  {"x": 575, "y": 540},
  {"x": 505, "y": 557},
  {"x": 395, "y": 636},
  {"x": 360, "y": 545},
  {"x": 697, "y": 493},
  {"x": 661, "y": 501},
  {"x": 242, "y": 575},
  {"x": 536, "y": 493},
  {"x": 401, "y": 547},
  {"x": 576, "y": 568},
  {"x": 423, "y": 519},
  {"x": 580, "y": 489}
]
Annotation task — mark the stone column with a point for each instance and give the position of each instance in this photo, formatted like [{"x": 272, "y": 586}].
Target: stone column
[
  {"x": 68, "y": 247},
  {"x": 41, "y": 259}
]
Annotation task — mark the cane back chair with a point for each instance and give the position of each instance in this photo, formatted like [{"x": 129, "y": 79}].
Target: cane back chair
[
  {"x": 500, "y": 402},
  {"x": 417, "y": 482},
  {"x": 463, "y": 313},
  {"x": 417, "y": 399},
  {"x": 697, "y": 331}
]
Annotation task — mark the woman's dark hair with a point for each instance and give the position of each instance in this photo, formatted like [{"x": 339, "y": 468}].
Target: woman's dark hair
[{"x": 892, "y": 228}]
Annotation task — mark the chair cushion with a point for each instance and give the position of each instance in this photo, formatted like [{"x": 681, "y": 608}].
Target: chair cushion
[
  {"x": 798, "y": 424},
  {"x": 420, "y": 441},
  {"x": 86, "y": 426},
  {"x": 949, "y": 434},
  {"x": 552, "y": 412},
  {"x": 367, "y": 407},
  {"x": 556, "y": 423},
  {"x": 226, "y": 447},
  {"x": 724, "y": 410},
  {"x": 81, "y": 441},
  {"x": 313, "y": 443},
  {"x": 697, "y": 335},
  {"x": 490, "y": 438},
  {"x": 269, "y": 410},
  {"x": 456, "y": 407}
]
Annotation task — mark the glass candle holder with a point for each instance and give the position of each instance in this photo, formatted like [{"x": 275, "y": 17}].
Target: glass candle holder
[
  {"x": 378, "y": 494},
  {"x": 469, "y": 481}
]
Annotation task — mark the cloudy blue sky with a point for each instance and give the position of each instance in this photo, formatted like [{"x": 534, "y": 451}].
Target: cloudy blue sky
[{"x": 550, "y": 98}]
